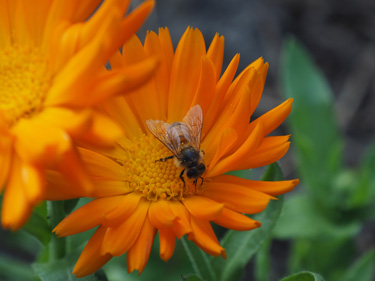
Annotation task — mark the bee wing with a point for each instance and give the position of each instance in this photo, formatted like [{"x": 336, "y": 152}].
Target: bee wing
[
  {"x": 160, "y": 130},
  {"x": 194, "y": 121}
]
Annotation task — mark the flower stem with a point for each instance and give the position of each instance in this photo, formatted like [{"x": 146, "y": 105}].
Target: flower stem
[{"x": 56, "y": 214}]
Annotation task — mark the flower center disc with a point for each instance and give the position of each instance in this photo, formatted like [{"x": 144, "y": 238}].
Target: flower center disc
[
  {"x": 153, "y": 178},
  {"x": 23, "y": 83}
]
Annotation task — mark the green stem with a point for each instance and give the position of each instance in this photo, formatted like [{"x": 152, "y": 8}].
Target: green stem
[{"x": 56, "y": 214}]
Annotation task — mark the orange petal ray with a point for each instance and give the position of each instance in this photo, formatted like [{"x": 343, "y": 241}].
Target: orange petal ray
[
  {"x": 6, "y": 153},
  {"x": 139, "y": 253},
  {"x": 123, "y": 211},
  {"x": 236, "y": 221},
  {"x": 269, "y": 151},
  {"x": 237, "y": 197},
  {"x": 205, "y": 238},
  {"x": 160, "y": 214},
  {"x": 120, "y": 239},
  {"x": 91, "y": 259},
  {"x": 273, "y": 118},
  {"x": 101, "y": 166},
  {"x": 167, "y": 243},
  {"x": 243, "y": 152},
  {"x": 273, "y": 188},
  {"x": 15, "y": 208},
  {"x": 181, "y": 225},
  {"x": 216, "y": 54},
  {"x": 185, "y": 73},
  {"x": 86, "y": 217},
  {"x": 210, "y": 211}
]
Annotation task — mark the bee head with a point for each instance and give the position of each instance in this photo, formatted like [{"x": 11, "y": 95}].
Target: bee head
[{"x": 196, "y": 172}]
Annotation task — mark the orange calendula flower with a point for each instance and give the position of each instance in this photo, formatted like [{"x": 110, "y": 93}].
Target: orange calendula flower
[
  {"x": 52, "y": 57},
  {"x": 140, "y": 189}
]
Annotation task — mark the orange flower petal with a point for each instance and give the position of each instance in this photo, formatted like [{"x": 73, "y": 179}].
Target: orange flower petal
[
  {"x": 236, "y": 221},
  {"x": 216, "y": 53},
  {"x": 85, "y": 8},
  {"x": 74, "y": 122},
  {"x": 222, "y": 86},
  {"x": 73, "y": 169},
  {"x": 161, "y": 47},
  {"x": 83, "y": 219},
  {"x": 216, "y": 147},
  {"x": 5, "y": 24},
  {"x": 181, "y": 225},
  {"x": 273, "y": 118},
  {"x": 91, "y": 259},
  {"x": 210, "y": 211},
  {"x": 167, "y": 243},
  {"x": 138, "y": 254},
  {"x": 38, "y": 142},
  {"x": 122, "y": 81},
  {"x": 185, "y": 73},
  {"x": 237, "y": 197},
  {"x": 5, "y": 159},
  {"x": 120, "y": 239},
  {"x": 204, "y": 237},
  {"x": 15, "y": 209},
  {"x": 97, "y": 136},
  {"x": 270, "y": 151},
  {"x": 131, "y": 23},
  {"x": 101, "y": 166},
  {"x": 273, "y": 188},
  {"x": 33, "y": 181},
  {"x": 154, "y": 214},
  {"x": 119, "y": 110},
  {"x": 123, "y": 210},
  {"x": 206, "y": 85},
  {"x": 241, "y": 153}
]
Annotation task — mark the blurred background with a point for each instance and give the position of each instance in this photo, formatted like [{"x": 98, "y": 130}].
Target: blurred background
[{"x": 322, "y": 53}]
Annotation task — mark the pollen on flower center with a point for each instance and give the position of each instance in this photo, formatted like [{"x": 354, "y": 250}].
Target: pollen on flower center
[
  {"x": 153, "y": 178},
  {"x": 24, "y": 81}
]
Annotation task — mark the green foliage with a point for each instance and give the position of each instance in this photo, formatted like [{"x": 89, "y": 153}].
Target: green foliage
[
  {"x": 200, "y": 261},
  {"x": 191, "y": 278},
  {"x": 322, "y": 219},
  {"x": 315, "y": 132},
  {"x": 60, "y": 270},
  {"x": 12, "y": 268},
  {"x": 363, "y": 269},
  {"x": 304, "y": 276},
  {"x": 38, "y": 225}
]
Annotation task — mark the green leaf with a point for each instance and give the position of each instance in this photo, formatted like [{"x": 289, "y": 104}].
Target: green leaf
[
  {"x": 190, "y": 278},
  {"x": 14, "y": 269},
  {"x": 365, "y": 187},
  {"x": 242, "y": 245},
  {"x": 316, "y": 136},
  {"x": 273, "y": 173},
  {"x": 262, "y": 262},
  {"x": 60, "y": 270},
  {"x": 301, "y": 219},
  {"x": 69, "y": 205},
  {"x": 362, "y": 270},
  {"x": 38, "y": 226},
  {"x": 304, "y": 276},
  {"x": 200, "y": 261}
]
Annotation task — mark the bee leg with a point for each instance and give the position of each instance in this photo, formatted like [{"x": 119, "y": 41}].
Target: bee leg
[
  {"x": 202, "y": 180},
  {"x": 165, "y": 159},
  {"x": 195, "y": 182},
  {"x": 181, "y": 176}
]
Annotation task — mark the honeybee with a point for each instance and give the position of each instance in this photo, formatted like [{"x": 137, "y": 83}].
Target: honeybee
[{"x": 183, "y": 140}]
